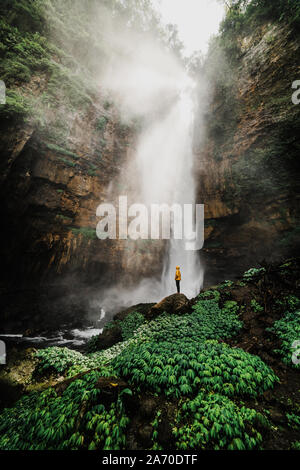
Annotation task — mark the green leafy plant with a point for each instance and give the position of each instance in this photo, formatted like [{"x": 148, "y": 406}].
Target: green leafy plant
[
  {"x": 213, "y": 421},
  {"x": 288, "y": 330},
  {"x": 293, "y": 420},
  {"x": 256, "y": 306},
  {"x": 61, "y": 150},
  {"x": 130, "y": 324},
  {"x": 71, "y": 421},
  {"x": 253, "y": 273},
  {"x": 180, "y": 367}
]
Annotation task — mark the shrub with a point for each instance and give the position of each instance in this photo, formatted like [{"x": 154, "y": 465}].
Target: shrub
[
  {"x": 207, "y": 321},
  {"x": 130, "y": 324},
  {"x": 256, "y": 306},
  {"x": 75, "y": 420},
  {"x": 213, "y": 421},
  {"x": 253, "y": 273},
  {"x": 293, "y": 420},
  {"x": 61, "y": 360},
  {"x": 288, "y": 330},
  {"x": 177, "y": 367},
  {"x": 16, "y": 107}
]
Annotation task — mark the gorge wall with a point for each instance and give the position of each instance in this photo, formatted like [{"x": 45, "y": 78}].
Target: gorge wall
[
  {"x": 248, "y": 162},
  {"x": 64, "y": 148}
]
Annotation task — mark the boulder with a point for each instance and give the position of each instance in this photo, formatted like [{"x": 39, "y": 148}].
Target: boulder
[
  {"x": 174, "y": 304},
  {"x": 109, "y": 338},
  {"x": 141, "y": 308}
]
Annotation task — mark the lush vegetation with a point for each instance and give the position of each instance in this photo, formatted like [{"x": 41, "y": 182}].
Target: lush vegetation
[
  {"x": 63, "y": 360},
  {"x": 73, "y": 420},
  {"x": 211, "y": 390},
  {"x": 288, "y": 330},
  {"x": 213, "y": 421},
  {"x": 176, "y": 367}
]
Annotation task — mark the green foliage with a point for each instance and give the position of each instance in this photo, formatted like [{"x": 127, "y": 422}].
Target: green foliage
[
  {"x": 176, "y": 367},
  {"x": 67, "y": 162},
  {"x": 213, "y": 421},
  {"x": 207, "y": 321},
  {"x": 293, "y": 420},
  {"x": 86, "y": 232},
  {"x": 296, "y": 445},
  {"x": 17, "y": 106},
  {"x": 244, "y": 14},
  {"x": 75, "y": 420},
  {"x": 256, "y": 307},
  {"x": 61, "y": 360},
  {"x": 101, "y": 123},
  {"x": 62, "y": 151},
  {"x": 130, "y": 324},
  {"x": 288, "y": 330},
  {"x": 253, "y": 274},
  {"x": 292, "y": 303},
  {"x": 129, "y": 327},
  {"x": 23, "y": 53},
  {"x": 277, "y": 10}
]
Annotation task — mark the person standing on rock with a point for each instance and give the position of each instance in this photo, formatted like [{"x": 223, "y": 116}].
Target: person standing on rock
[{"x": 178, "y": 278}]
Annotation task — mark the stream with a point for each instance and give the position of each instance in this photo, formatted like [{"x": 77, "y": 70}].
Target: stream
[{"x": 73, "y": 338}]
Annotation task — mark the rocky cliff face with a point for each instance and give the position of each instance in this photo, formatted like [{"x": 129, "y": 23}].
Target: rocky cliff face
[
  {"x": 248, "y": 166},
  {"x": 50, "y": 192},
  {"x": 67, "y": 151}
]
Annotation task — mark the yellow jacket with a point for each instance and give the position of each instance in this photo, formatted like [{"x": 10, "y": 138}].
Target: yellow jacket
[{"x": 178, "y": 274}]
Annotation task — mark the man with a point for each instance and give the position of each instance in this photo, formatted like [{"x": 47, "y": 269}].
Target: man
[{"x": 178, "y": 278}]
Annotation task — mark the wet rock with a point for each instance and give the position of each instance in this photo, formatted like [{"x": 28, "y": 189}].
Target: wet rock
[
  {"x": 174, "y": 304},
  {"x": 141, "y": 308},
  {"x": 277, "y": 416},
  {"x": 147, "y": 407},
  {"x": 165, "y": 434},
  {"x": 110, "y": 388},
  {"x": 144, "y": 435},
  {"x": 109, "y": 338}
]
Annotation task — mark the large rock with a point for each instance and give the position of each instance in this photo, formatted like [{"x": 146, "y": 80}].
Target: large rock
[
  {"x": 141, "y": 308},
  {"x": 176, "y": 303},
  {"x": 109, "y": 338}
]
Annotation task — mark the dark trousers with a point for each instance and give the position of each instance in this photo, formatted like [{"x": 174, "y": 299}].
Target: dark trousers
[{"x": 178, "y": 286}]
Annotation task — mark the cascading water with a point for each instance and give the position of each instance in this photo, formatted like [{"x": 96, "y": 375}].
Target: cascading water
[
  {"x": 151, "y": 87},
  {"x": 165, "y": 161}
]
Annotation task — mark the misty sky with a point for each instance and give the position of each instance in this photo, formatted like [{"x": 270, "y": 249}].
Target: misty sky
[{"x": 197, "y": 20}]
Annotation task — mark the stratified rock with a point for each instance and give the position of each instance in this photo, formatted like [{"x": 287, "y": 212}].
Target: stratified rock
[{"x": 176, "y": 304}]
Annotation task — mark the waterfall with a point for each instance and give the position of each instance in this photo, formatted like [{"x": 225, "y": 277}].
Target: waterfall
[
  {"x": 165, "y": 162},
  {"x": 151, "y": 87}
]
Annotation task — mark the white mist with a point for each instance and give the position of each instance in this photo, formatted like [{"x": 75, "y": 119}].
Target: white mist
[{"x": 165, "y": 162}]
